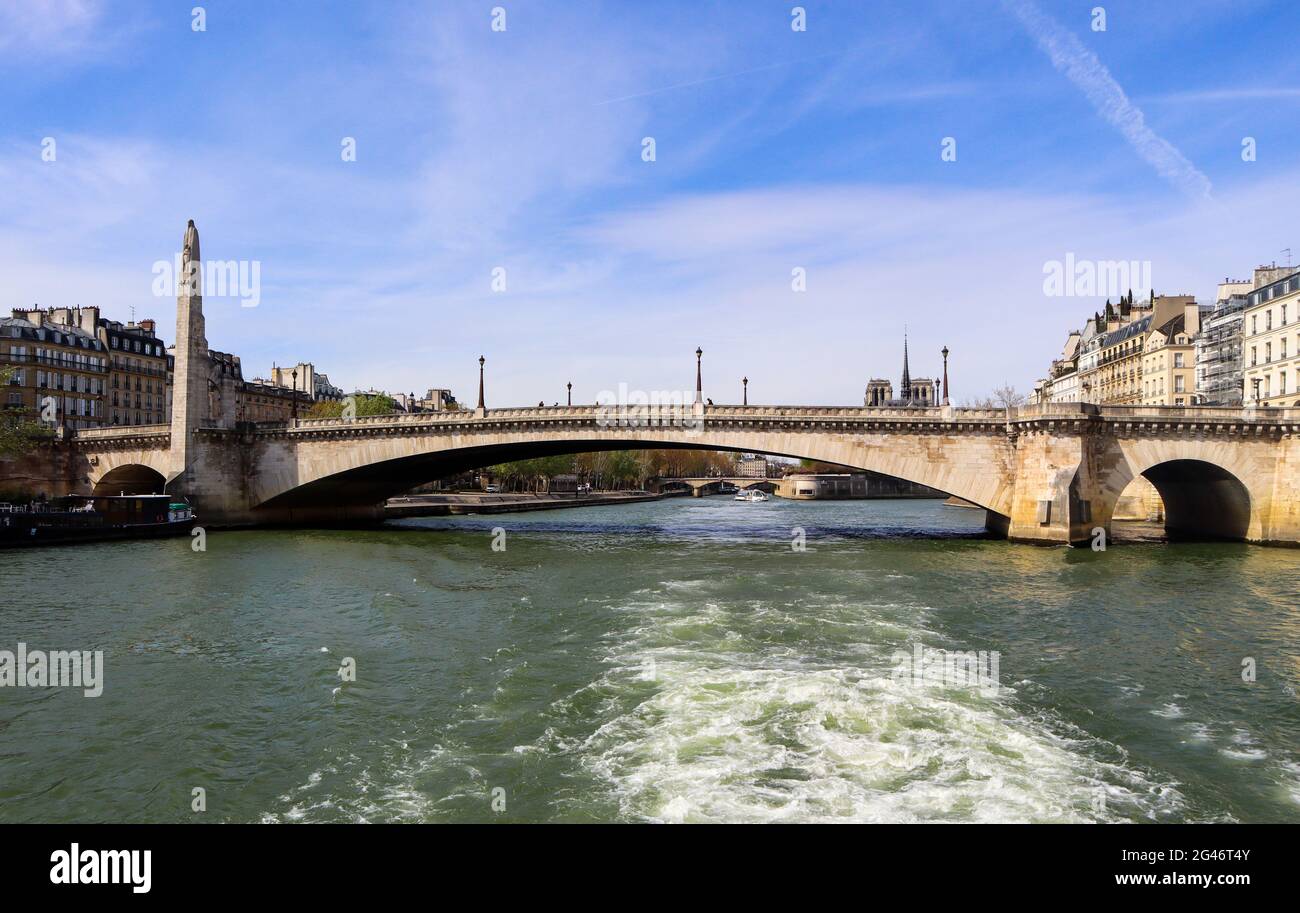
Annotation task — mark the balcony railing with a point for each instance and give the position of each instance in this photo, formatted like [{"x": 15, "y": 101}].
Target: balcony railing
[{"x": 31, "y": 358}]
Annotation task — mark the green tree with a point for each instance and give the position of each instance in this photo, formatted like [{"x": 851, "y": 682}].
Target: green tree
[
  {"x": 18, "y": 433},
  {"x": 366, "y": 404}
]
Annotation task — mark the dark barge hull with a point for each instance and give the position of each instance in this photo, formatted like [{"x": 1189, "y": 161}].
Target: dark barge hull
[{"x": 27, "y": 536}]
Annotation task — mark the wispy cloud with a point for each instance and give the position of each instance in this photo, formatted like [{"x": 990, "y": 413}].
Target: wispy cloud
[
  {"x": 1258, "y": 93},
  {"x": 50, "y": 24},
  {"x": 721, "y": 76},
  {"x": 70, "y": 33},
  {"x": 1082, "y": 67}
]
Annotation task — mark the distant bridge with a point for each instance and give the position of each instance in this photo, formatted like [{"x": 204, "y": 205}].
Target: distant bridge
[{"x": 702, "y": 485}]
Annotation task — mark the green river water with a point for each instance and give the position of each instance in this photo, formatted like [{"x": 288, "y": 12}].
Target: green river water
[{"x": 670, "y": 661}]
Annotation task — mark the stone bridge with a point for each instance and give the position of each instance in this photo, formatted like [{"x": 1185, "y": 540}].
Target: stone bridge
[
  {"x": 702, "y": 485},
  {"x": 1049, "y": 474}
]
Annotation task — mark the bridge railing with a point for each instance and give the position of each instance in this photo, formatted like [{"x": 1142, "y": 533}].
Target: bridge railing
[
  {"x": 614, "y": 412},
  {"x": 110, "y": 432},
  {"x": 1045, "y": 411},
  {"x": 1149, "y": 413},
  {"x": 919, "y": 413},
  {"x": 1207, "y": 413}
]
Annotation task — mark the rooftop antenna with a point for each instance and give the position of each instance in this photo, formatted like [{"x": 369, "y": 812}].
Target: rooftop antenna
[{"x": 1287, "y": 251}]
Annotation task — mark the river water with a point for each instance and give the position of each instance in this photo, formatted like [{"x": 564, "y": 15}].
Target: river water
[{"x": 667, "y": 661}]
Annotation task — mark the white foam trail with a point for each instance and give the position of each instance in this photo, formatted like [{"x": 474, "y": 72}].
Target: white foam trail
[{"x": 743, "y": 730}]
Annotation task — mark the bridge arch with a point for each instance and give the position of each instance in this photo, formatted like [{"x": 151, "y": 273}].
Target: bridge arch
[
  {"x": 1202, "y": 500},
  {"x": 1207, "y": 489},
  {"x": 130, "y": 479},
  {"x": 355, "y": 468}
]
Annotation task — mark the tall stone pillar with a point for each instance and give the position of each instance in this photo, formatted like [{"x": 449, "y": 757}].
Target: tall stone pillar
[{"x": 190, "y": 374}]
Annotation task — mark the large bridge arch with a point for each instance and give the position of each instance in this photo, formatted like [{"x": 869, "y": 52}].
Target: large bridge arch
[{"x": 350, "y": 467}]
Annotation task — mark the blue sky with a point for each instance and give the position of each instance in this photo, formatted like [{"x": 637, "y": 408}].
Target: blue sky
[{"x": 521, "y": 149}]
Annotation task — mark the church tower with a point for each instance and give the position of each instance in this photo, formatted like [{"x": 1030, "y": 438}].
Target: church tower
[
  {"x": 190, "y": 374},
  {"x": 905, "y": 390}
]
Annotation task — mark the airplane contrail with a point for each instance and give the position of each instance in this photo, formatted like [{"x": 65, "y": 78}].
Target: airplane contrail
[{"x": 1082, "y": 67}]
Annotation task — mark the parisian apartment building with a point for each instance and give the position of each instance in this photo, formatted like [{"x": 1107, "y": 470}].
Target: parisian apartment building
[
  {"x": 80, "y": 370},
  {"x": 1169, "y": 350}
]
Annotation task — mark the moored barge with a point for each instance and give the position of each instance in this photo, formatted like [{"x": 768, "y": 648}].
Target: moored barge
[{"x": 94, "y": 519}]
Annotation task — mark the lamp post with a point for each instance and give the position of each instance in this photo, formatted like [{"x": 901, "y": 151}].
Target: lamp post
[
  {"x": 744, "y": 383},
  {"x": 1256, "y": 380},
  {"x": 569, "y": 386},
  {"x": 945, "y": 375},
  {"x": 295, "y": 394},
  {"x": 481, "y": 359},
  {"x": 699, "y": 385}
]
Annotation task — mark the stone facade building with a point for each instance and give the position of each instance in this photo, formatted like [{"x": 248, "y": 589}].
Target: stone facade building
[
  {"x": 1062, "y": 382},
  {"x": 1118, "y": 378},
  {"x": 1106, "y": 363},
  {"x": 60, "y": 366},
  {"x": 138, "y": 393},
  {"x": 1271, "y": 343},
  {"x": 304, "y": 376},
  {"x": 755, "y": 468},
  {"x": 1169, "y": 361}
]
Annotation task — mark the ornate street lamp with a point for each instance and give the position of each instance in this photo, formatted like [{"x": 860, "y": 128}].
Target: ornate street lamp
[
  {"x": 481, "y": 359},
  {"x": 699, "y": 385},
  {"x": 945, "y": 375},
  {"x": 744, "y": 383},
  {"x": 569, "y": 385}
]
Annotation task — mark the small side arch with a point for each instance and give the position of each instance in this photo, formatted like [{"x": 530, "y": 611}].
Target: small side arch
[
  {"x": 131, "y": 479},
  {"x": 1202, "y": 500}
]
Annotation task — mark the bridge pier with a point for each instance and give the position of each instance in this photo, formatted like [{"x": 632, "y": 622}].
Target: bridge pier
[{"x": 1053, "y": 494}]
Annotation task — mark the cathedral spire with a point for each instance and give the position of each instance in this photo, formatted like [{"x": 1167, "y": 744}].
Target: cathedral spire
[{"x": 905, "y": 391}]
